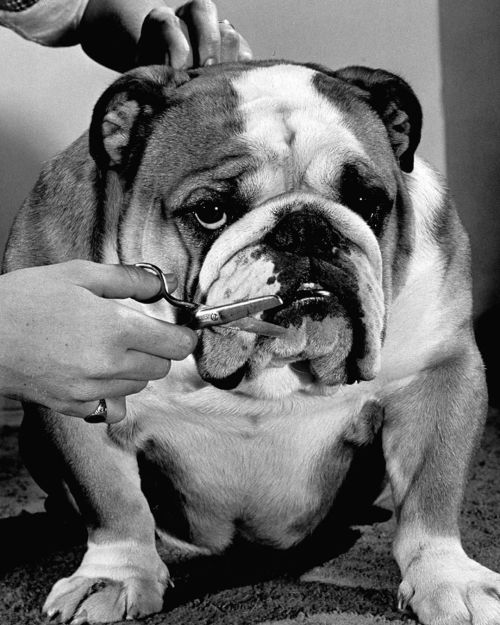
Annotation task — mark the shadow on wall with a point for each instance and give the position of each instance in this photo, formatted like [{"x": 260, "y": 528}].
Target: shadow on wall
[
  {"x": 470, "y": 53},
  {"x": 20, "y": 164}
]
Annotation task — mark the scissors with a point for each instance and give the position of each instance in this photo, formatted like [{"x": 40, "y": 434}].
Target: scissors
[{"x": 236, "y": 315}]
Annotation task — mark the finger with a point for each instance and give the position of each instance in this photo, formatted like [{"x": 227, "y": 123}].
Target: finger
[
  {"x": 229, "y": 42},
  {"x": 116, "y": 409},
  {"x": 140, "y": 366},
  {"x": 246, "y": 53},
  {"x": 158, "y": 338},
  {"x": 162, "y": 40},
  {"x": 96, "y": 388},
  {"x": 202, "y": 21},
  {"x": 119, "y": 281}
]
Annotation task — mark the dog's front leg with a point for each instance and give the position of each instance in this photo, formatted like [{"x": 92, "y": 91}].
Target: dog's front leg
[
  {"x": 121, "y": 575},
  {"x": 431, "y": 428}
]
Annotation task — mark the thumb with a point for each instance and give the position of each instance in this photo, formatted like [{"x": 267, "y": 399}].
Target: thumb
[{"x": 122, "y": 281}]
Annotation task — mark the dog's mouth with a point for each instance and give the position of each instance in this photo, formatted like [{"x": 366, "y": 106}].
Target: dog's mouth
[
  {"x": 309, "y": 299},
  {"x": 311, "y": 292},
  {"x": 315, "y": 346}
]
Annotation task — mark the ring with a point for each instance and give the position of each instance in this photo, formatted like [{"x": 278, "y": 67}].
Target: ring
[
  {"x": 100, "y": 414},
  {"x": 227, "y": 23}
]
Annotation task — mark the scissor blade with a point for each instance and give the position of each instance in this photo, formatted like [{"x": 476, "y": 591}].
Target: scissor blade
[
  {"x": 225, "y": 313},
  {"x": 256, "y": 326},
  {"x": 247, "y": 308}
]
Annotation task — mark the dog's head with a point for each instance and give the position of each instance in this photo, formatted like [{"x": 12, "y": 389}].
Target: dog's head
[{"x": 268, "y": 178}]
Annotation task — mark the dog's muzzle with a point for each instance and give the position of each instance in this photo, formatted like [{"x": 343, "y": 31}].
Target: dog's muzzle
[{"x": 332, "y": 294}]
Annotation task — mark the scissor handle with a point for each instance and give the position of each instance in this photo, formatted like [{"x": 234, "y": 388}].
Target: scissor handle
[{"x": 163, "y": 292}]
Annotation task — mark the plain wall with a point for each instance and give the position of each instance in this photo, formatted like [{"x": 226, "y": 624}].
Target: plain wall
[
  {"x": 470, "y": 43},
  {"x": 46, "y": 98},
  {"x": 470, "y": 49},
  {"x": 46, "y": 95}
]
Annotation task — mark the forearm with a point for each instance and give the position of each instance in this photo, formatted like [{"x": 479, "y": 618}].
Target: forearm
[
  {"x": 49, "y": 22},
  {"x": 108, "y": 30}
]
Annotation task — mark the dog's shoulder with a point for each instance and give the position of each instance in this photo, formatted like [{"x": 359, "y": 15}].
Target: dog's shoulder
[
  {"x": 431, "y": 314},
  {"x": 56, "y": 221},
  {"x": 441, "y": 249},
  {"x": 436, "y": 218}
]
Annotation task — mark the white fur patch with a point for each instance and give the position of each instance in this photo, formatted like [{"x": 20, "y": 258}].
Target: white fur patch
[
  {"x": 299, "y": 136},
  {"x": 442, "y": 584},
  {"x": 419, "y": 322},
  {"x": 427, "y": 193},
  {"x": 122, "y": 559}
]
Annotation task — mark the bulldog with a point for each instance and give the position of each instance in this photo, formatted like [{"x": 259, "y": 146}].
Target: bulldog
[{"x": 254, "y": 179}]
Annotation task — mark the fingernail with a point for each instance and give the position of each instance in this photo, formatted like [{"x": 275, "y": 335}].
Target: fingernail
[
  {"x": 191, "y": 339},
  {"x": 95, "y": 418},
  {"x": 210, "y": 61},
  {"x": 171, "y": 281}
]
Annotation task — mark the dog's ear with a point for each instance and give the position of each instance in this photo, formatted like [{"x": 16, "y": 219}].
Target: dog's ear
[
  {"x": 123, "y": 114},
  {"x": 397, "y": 105}
]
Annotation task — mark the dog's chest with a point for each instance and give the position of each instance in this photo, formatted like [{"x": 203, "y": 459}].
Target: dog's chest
[{"x": 210, "y": 475}]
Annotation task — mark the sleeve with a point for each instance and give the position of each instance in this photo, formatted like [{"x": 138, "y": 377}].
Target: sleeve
[{"x": 49, "y": 22}]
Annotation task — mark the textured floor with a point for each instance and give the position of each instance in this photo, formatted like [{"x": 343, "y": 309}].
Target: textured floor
[{"x": 348, "y": 578}]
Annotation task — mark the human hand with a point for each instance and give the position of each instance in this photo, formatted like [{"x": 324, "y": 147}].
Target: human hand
[
  {"x": 122, "y": 34},
  {"x": 64, "y": 345},
  {"x": 193, "y": 36}
]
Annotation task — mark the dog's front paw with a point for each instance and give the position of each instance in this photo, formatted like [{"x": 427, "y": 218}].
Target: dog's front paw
[
  {"x": 106, "y": 590},
  {"x": 451, "y": 589},
  {"x": 80, "y": 600}
]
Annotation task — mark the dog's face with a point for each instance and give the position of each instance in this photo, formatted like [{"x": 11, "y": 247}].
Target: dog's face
[{"x": 269, "y": 179}]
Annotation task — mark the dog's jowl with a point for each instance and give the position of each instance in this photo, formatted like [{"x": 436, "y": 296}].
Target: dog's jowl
[{"x": 261, "y": 179}]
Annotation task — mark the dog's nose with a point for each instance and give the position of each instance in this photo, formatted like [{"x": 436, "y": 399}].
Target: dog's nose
[{"x": 304, "y": 232}]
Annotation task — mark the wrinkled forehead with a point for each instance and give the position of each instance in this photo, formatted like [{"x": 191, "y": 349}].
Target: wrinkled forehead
[
  {"x": 282, "y": 110},
  {"x": 293, "y": 123},
  {"x": 277, "y": 118}
]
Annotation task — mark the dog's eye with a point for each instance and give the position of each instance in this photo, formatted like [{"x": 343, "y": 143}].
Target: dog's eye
[
  {"x": 210, "y": 215},
  {"x": 363, "y": 194},
  {"x": 365, "y": 206},
  {"x": 370, "y": 205}
]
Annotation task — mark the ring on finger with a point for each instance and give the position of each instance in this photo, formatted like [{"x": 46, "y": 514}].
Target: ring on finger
[{"x": 100, "y": 414}]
